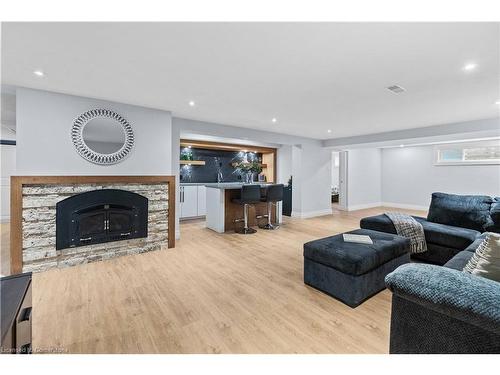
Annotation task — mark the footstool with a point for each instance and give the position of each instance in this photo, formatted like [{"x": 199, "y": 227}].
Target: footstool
[{"x": 353, "y": 272}]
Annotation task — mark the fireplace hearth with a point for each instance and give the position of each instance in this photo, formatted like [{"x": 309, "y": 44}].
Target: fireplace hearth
[{"x": 100, "y": 216}]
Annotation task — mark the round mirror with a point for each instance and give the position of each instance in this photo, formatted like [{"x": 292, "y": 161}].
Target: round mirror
[{"x": 103, "y": 135}]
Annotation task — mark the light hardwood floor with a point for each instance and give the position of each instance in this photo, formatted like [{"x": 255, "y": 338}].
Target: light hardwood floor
[{"x": 212, "y": 293}]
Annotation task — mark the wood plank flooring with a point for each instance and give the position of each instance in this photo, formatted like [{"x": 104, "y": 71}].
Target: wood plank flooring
[{"x": 212, "y": 293}]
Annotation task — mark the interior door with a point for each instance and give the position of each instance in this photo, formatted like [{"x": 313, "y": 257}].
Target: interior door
[{"x": 343, "y": 180}]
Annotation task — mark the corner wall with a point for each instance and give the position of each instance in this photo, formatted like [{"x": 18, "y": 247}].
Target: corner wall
[{"x": 364, "y": 188}]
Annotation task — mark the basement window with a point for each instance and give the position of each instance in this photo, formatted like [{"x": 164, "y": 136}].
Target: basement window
[{"x": 471, "y": 153}]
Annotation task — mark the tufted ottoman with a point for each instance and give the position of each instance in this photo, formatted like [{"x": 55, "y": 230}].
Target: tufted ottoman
[{"x": 352, "y": 272}]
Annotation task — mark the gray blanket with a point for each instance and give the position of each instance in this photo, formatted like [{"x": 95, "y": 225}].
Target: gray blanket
[{"x": 407, "y": 226}]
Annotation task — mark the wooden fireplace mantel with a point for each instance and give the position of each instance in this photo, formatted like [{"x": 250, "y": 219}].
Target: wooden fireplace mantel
[{"x": 16, "y": 206}]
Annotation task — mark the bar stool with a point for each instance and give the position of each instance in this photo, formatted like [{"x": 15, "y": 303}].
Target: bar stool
[
  {"x": 274, "y": 194},
  {"x": 249, "y": 194}
]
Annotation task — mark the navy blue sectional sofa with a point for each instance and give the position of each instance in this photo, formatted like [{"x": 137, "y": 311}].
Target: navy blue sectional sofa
[
  {"x": 442, "y": 309},
  {"x": 453, "y": 223}
]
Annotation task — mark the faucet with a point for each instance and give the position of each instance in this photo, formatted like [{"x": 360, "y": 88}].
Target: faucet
[
  {"x": 218, "y": 165},
  {"x": 220, "y": 177}
]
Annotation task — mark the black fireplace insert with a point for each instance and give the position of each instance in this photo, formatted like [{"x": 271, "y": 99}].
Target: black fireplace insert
[{"x": 100, "y": 216}]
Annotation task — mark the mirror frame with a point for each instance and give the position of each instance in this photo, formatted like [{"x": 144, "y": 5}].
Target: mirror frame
[{"x": 95, "y": 157}]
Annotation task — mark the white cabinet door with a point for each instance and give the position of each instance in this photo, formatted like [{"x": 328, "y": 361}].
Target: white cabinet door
[
  {"x": 202, "y": 200},
  {"x": 189, "y": 201}
]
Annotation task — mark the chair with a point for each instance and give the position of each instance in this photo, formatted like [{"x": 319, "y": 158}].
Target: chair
[
  {"x": 249, "y": 194},
  {"x": 274, "y": 194}
]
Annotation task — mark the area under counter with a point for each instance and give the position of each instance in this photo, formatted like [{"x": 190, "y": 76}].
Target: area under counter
[{"x": 222, "y": 212}]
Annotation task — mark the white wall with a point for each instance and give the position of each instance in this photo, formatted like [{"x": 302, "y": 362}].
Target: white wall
[
  {"x": 7, "y": 169},
  {"x": 409, "y": 177},
  {"x": 364, "y": 178},
  {"x": 284, "y": 161},
  {"x": 314, "y": 181},
  {"x": 44, "y": 146}
]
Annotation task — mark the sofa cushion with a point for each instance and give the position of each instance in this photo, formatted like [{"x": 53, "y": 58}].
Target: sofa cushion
[
  {"x": 465, "y": 211},
  {"x": 440, "y": 234},
  {"x": 495, "y": 216},
  {"x": 354, "y": 258},
  {"x": 459, "y": 261},
  {"x": 447, "y": 235},
  {"x": 381, "y": 223},
  {"x": 436, "y": 254}
]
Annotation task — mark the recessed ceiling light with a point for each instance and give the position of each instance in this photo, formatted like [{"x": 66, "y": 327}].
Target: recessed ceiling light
[
  {"x": 274, "y": 119},
  {"x": 191, "y": 103},
  {"x": 329, "y": 131},
  {"x": 497, "y": 102},
  {"x": 39, "y": 73},
  {"x": 401, "y": 145},
  {"x": 470, "y": 67}
]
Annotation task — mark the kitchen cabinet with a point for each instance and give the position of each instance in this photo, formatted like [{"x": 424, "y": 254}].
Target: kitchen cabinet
[
  {"x": 202, "y": 200},
  {"x": 188, "y": 201}
]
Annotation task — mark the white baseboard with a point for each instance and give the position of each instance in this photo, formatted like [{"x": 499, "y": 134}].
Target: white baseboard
[
  {"x": 4, "y": 219},
  {"x": 407, "y": 206},
  {"x": 363, "y": 206},
  {"x": 310, "y": 214}
]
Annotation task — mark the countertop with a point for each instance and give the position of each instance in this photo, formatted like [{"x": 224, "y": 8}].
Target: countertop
[{"x": 225, "y": 185}]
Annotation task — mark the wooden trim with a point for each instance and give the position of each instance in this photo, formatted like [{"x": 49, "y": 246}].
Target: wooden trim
[
  {"x": 35, "y": 180},
  {"x": 225, "y": 146},
  {"x": 192, "y": 162},
  {"x": 16, "y": 204},
  {"x": 171, "y": 211},
  {"x": 16, "y": 225}
]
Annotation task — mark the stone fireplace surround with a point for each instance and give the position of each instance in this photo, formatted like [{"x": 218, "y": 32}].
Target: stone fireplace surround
[{"x": 33, "y": 219}]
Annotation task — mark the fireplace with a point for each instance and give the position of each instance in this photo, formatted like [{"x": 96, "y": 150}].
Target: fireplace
[{"x": 100, "y": 216}]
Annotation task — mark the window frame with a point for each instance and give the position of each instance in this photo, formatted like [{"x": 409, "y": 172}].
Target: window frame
[{"x": 461, "y": 145}]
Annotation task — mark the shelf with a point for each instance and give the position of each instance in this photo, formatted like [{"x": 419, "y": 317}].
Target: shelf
[
  {"x": 192, "y": 162},
  {"x": 261, "y": 165}
]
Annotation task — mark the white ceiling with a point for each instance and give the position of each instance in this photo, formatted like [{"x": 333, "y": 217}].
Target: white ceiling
[{"x": 310, "y": 76}]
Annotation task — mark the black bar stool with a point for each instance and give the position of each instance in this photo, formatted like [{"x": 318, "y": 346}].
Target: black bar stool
[
  {"x": 249, "y": 194},
  {"x": 274, "y": 194}
]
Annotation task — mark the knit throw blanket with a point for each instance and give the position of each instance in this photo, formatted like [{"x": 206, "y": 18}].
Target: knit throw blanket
[{"x": 407, "y": 226}]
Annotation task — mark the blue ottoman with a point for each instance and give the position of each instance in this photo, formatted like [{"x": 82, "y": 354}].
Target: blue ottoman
[{"x": 353, "y": 272}]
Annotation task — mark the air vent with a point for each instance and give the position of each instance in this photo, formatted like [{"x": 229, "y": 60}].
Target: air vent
[{"x": 396, "y": 89}]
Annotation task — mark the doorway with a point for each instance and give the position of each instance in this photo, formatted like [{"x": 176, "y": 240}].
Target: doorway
[{"x": 339, "y": 180}]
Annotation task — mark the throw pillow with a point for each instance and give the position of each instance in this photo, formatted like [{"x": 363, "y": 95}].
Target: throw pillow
[{"x": 486, "y": 259}]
